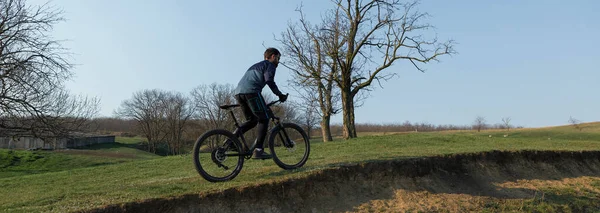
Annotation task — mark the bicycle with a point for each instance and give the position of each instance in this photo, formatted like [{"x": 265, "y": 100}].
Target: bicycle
[{"x": 219, "y": 155}]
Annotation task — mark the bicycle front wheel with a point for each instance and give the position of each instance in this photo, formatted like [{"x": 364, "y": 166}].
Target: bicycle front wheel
[
  {"x": 217, "y": 157},
  {"x": 289, "y": 146}
]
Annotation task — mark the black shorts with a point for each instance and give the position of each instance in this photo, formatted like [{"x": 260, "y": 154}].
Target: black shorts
[{"x": 254, "y": 106}]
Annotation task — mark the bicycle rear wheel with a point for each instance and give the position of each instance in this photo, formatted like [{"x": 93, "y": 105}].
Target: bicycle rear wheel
[
  {"x": 290, "y": 155},
  {"x": 217, "y": 157}
]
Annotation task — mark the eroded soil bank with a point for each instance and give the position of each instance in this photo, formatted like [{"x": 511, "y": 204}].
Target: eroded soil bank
[{"x": 491, "y": 181}]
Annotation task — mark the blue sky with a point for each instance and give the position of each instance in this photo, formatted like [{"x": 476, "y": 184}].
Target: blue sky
[{"x": 534, "y": 61}]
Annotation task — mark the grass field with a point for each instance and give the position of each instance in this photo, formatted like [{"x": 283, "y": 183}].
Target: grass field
[
  {"x": 116, "y": 174},
  {"x": 19, "y": 162}
]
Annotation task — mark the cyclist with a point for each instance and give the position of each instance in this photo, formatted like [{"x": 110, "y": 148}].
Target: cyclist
[{"x": 248, "y": 95}]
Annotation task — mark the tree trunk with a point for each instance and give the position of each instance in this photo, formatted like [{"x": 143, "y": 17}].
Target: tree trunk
[
  {"x": 348, "y": 114},
  {"x": 325, "y": 129}
]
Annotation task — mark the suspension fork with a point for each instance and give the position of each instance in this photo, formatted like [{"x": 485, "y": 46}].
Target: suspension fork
[{"x": 285, "y": 138}]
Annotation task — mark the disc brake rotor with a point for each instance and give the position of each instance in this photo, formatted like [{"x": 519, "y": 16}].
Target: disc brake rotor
[{"x": 292, "y": 146}]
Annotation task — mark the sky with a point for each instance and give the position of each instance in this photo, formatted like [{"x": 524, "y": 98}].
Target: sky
[{"x": 536, "y": 62}]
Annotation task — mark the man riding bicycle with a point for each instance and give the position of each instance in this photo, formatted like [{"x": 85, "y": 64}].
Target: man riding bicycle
[{"x": 248, "y": 95}]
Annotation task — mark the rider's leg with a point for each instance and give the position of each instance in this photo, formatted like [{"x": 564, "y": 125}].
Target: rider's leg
[
  {"x": 248, "y": 125},
  {"x": 251, "y": 119},
  {"x": 261, "y": 113},
  {"x": 263, "y": 124},
  {"x": 262, "y": 132},
  {"x": 259, "y": 152}
]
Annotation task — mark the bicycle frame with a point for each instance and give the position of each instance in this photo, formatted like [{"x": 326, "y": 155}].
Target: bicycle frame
[
  {"x": 275, "y": 120},
  {"x": 214, "y": 146}
]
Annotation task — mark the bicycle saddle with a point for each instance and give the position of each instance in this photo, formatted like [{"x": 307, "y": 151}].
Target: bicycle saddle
[{"x": 228, "y": 106}]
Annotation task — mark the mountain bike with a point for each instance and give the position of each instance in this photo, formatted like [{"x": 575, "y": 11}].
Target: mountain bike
[{"x": 219, "y": 154}]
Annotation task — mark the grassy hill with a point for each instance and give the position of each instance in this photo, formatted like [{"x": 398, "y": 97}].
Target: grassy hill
[
  {"x": 118, "y": 179},
  {"x": 20, "y": 162}
]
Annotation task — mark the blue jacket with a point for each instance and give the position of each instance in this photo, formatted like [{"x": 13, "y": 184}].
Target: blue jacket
[{"x": 256, "y": 77}]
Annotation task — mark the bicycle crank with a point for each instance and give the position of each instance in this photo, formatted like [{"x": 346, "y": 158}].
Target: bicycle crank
[{"x": 218, "y": 156}]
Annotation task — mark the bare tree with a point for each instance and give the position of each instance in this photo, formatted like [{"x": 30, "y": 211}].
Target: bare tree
[
  {"x": 207, "y": 99},
  {"x": 479, "y": 123},
  {"x": 125, "y": 127},
  {"x": 506, "y": 122},
  {"x": 33, "y": 69},
  {"x": 147, "y": 107},
  {"x": 310, "y": 120},
  {"x": 288, "y": 112},
  {"x": 576, "y": 123},
  {"x": 309, "y": 114},
  {"x": 370, "y": 37},
  {"x": 314, "y": 71},
  {"x": 161, "y": 117},
  {"x": 178, "y": 113}
]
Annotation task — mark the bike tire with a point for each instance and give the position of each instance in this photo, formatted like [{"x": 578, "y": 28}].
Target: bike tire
[
  {"x": 286, "y": 157},
  {"x": 212, "y": 146}
]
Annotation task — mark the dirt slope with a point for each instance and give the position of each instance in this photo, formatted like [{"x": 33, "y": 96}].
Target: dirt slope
[{"x": 455, "y": 183}]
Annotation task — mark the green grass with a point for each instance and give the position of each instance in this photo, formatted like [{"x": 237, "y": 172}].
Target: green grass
[
  {"x": 130, "y": 140},
  {"x": 85, "y": 188},
  {"x": 20, "y": 162}
]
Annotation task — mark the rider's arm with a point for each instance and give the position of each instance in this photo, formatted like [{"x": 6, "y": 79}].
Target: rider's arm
[{"x": 269, "y": 75}]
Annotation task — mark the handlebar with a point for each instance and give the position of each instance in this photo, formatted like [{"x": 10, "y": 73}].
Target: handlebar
[
  {"x": 237, "y": 105},
  {"x": 273, "y": 103},
  {"x": 277, "y": 101}
]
